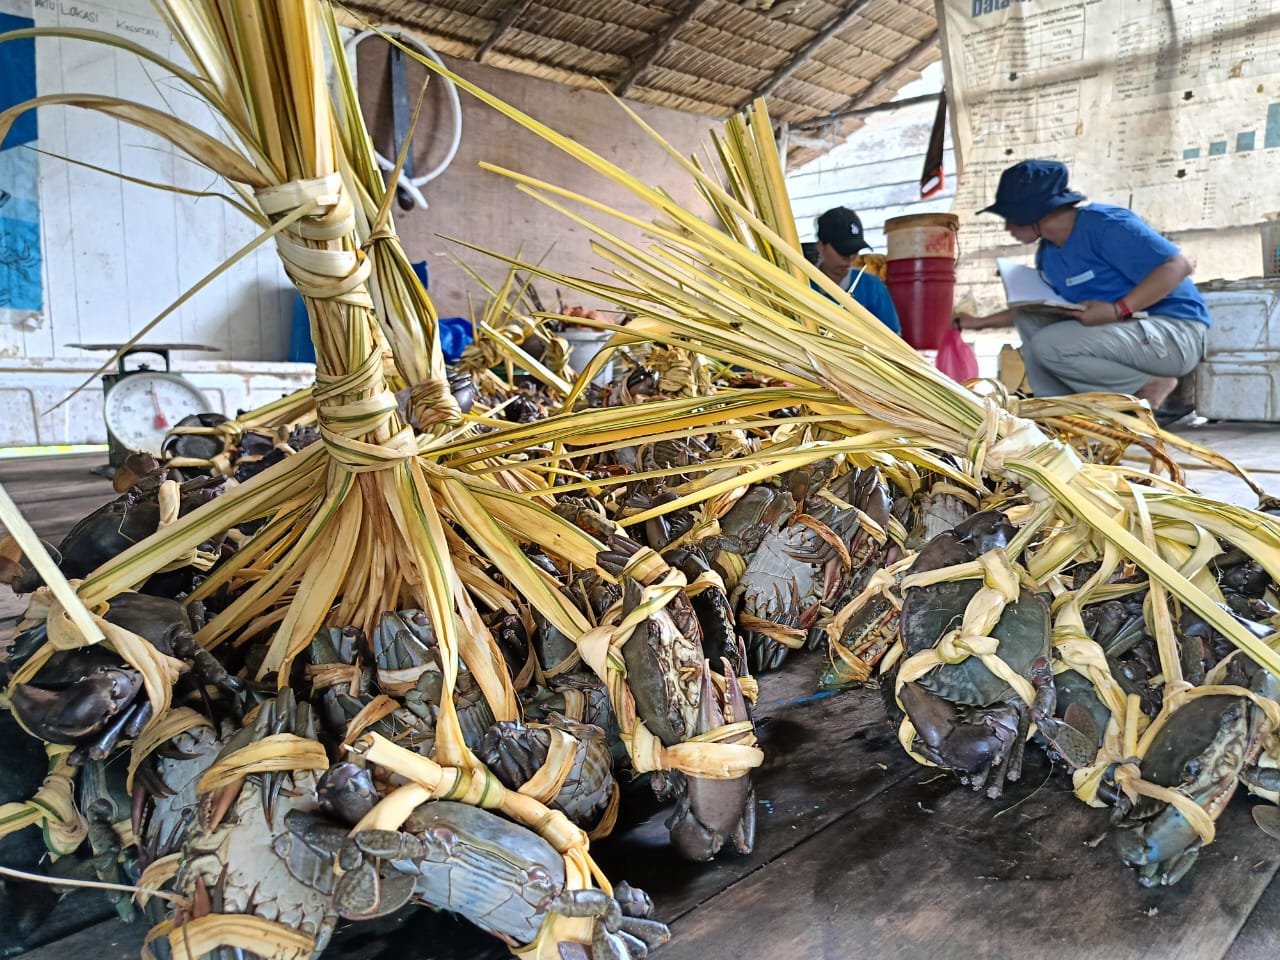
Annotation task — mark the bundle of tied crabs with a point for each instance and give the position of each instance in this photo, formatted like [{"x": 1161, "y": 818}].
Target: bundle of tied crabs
[{"x": 405, "y": 637}]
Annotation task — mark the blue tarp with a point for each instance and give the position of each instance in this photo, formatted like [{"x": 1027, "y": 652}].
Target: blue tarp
[{"x": 21, "y": 281}]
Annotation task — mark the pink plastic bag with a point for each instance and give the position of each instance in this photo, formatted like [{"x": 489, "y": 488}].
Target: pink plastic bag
[{"x": 955, "y": 357}]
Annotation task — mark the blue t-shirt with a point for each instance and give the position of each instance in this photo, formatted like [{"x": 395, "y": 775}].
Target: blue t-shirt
[
  {"x": 872, "y": 294},
  {"x": 1109, "y": 252}
]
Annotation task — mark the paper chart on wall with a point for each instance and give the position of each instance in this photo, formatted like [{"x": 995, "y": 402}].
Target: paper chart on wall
[{"x": 1169, "y": 107}]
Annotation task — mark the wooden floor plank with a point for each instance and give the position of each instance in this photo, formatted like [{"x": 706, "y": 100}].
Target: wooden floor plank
[
  {"x": 799, "y": 790},
  {"x": 34, "y": 492},
  {"x": 50, "y": 479},
  {"x": 24, "y": 469},
  {"x": 929, "y": 869},
  {"x": 1257, "y": 939}
]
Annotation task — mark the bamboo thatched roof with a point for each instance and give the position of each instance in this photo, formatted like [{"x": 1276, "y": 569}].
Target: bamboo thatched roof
[{"x": 812, "y": 59}]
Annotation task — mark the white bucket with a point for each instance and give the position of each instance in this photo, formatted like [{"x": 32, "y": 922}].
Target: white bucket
[
  {"x": 920, "y": 235},
  {"x": 586, "y": 344}
]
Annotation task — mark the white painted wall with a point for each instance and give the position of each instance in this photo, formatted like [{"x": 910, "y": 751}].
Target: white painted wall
[
  {"x": 117, "y": 253},
  {"x": 472, "y": 205},
  {"x": 876, "y": 172}
]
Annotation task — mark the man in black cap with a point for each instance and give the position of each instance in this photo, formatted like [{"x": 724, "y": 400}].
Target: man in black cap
[
  {"x": 839, "y": 242},
  {"x": 1108, "y": 260}
]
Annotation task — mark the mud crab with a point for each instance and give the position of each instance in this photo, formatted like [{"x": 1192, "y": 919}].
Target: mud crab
[
  {"x": 930, "y": 512},
  {"x": 799, "y": 570},
  {"x": 118, "y": 525},
  {"x": 676, "y": 697},
  {"x": 658, "y": 532},
  {"x": 758, "y": 513},
  {"x": 406, "y": 655},
  {"x": 499, "y": 875},
  {"x": 582, "y": 697},
  {"x": 193, "y": 438},
  {"x": 238, "y": 856},
  {"x": 715, "y": 614},
  {"x": 258, "y": 449},
  {"x": 515, "y": 752},
  {"x": 663, "y": 655},
  {"x": 1207, "y": 747},
  {"x": 166, "y": 805},
  {"x": 864, "y": 638},
  {"x": 586, "y": 513},
  {"x": 1075, "y": 732},
  {"x": 404, "y": 665},
  {"x": 967, "y": 718},
  {"x": 710, "y": 813}
]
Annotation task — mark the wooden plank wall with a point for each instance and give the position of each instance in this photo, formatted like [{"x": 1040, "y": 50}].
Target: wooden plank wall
[{"x": 117, "y": 253}]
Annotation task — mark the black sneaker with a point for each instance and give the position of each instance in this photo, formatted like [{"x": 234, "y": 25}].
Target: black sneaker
[{"x": 1168, "y": 416}]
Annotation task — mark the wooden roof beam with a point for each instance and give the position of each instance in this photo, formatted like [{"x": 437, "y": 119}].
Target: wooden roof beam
[
  {"x": 806, "y": 52},
  {"x": 660, "y": 43},
  {"x": 848, "y": 113},
  {"x": 509, "y": 17},
  {"x": 886, "y": 81}
]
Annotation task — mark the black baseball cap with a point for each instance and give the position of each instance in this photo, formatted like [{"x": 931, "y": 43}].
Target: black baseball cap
[{"x": 841, "y": 228}]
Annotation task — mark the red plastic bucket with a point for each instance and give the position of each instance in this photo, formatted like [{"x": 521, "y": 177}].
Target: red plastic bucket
[{"x": 923, "y": 292}]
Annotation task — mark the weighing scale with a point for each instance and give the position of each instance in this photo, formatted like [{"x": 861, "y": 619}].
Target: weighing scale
[{"x": 140, "y": 404}]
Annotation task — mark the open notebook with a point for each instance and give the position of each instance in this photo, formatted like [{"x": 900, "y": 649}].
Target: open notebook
[{"x": 1023, "y": 287}]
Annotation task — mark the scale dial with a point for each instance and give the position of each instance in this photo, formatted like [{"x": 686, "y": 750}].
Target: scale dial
[{"x": 143, "y": 406}]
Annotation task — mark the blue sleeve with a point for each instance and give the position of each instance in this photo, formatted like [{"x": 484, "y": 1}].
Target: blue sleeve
[
  {"x": 871, "y": 292},
  {"x": 1132, "y": 246}
]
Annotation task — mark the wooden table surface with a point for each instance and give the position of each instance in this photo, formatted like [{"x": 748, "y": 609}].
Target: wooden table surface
[{"x": 860, "y": 852}]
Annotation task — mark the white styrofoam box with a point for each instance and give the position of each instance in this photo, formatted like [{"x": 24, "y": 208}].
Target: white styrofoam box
[
  {"x": 1239, "y": 386},
  {"x": 30, "y": 389},
  {"x": 1240, "y": 376},
  {"x": 1245, "y": 315},
  {"x": 986, "y": 347}
]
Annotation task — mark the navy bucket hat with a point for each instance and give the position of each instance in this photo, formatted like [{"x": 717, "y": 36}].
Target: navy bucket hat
[{"x": 1031, "y": 189}]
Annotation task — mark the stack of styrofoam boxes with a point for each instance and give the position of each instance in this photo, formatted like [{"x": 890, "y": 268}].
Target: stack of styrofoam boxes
[{"x": 1240, "y": 376}]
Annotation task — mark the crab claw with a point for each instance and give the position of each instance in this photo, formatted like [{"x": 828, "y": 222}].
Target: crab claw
[
  {"x": 969, "y": 740},
  {"x": 78, "y": 712},
  {"x": 618, "y": 553},
  {"x": 659, "y": 658},
  {"x": 985, "y": 530},
  {"x": 713, "y": 811},
  {"x": 347, "y": 792},
  {"x": 617, "y": 933}
]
